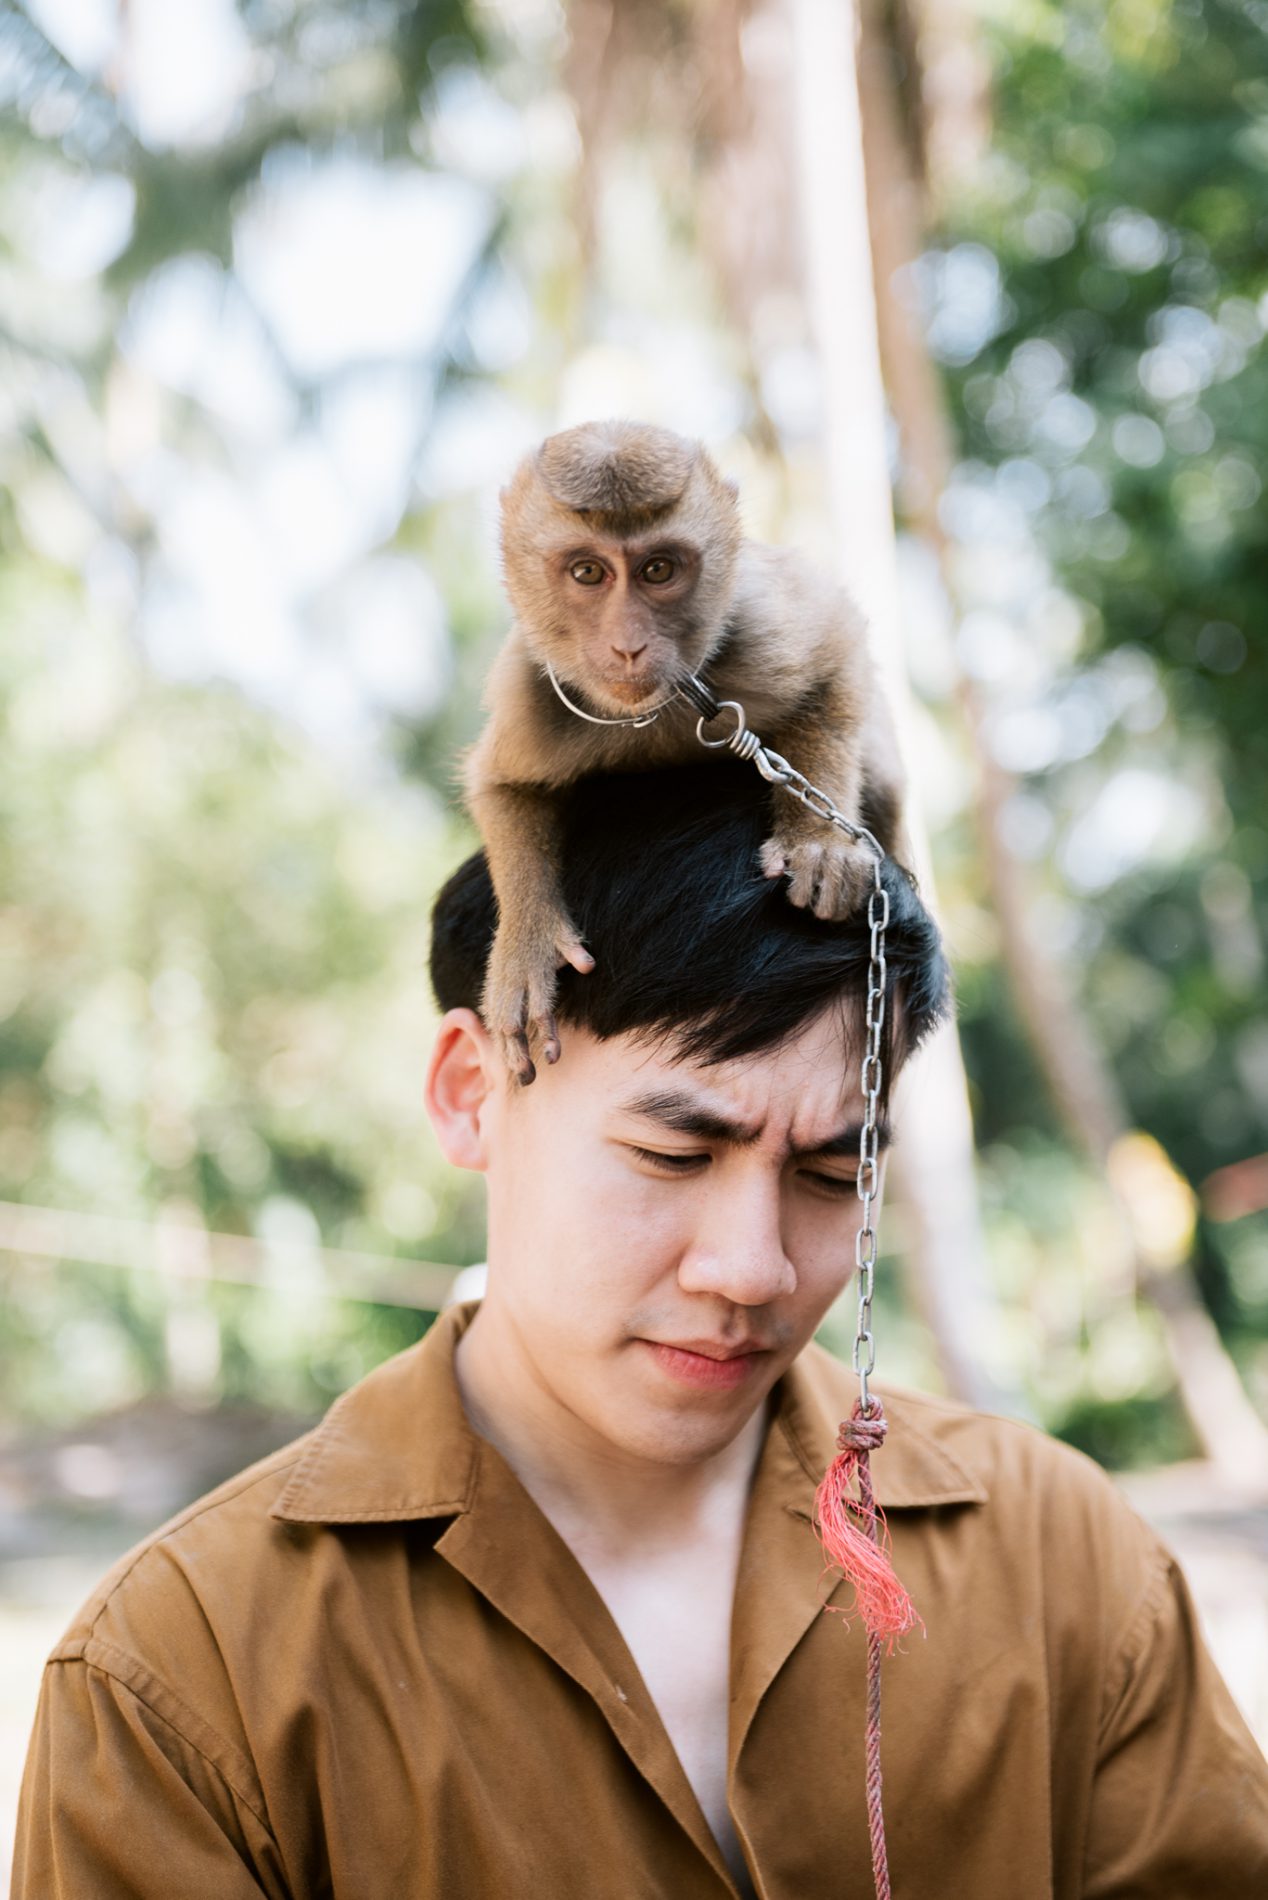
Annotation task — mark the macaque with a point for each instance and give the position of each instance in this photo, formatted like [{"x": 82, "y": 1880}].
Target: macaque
[{"x": 626, "y": 568}]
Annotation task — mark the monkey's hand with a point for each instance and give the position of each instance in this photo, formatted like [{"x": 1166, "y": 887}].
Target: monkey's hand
[
  {"x": 827, "y": 872},
  {"x": 518, "y": 1004}
]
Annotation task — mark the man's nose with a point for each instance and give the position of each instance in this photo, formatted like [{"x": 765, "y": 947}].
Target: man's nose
[{"x": 738, "y": 1247}]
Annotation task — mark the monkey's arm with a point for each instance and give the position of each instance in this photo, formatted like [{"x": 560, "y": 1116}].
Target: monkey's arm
[
  {"x": 802, "y": 648},
  {"x": 518, "y": 818},
  {"x": 827, "y": 871},
  {"x": 535, "y": 933}
]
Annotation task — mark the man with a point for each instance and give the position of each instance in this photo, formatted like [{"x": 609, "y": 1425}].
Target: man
[{"x": 537, "y": 1609}]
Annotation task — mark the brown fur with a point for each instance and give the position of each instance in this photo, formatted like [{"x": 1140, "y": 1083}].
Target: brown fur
[
  {"x": 617, "y": 468},
  {"x": 766, "y": 629}
]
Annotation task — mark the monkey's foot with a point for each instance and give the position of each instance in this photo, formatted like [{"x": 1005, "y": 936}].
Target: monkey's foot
[
  {"x": 518, "y": 1005},
  {"x": 830, "y": 876}
]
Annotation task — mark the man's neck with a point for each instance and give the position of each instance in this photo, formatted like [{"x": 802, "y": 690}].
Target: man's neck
[{"x": 606, "y": 1502}]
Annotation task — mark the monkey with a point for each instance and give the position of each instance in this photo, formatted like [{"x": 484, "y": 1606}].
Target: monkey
[{"x": 626, "y": 569}]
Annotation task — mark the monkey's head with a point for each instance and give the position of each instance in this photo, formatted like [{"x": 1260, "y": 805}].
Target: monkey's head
[{"x": 619, "y": 546}]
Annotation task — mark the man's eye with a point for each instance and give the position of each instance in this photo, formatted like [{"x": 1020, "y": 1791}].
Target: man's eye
[
  {"x": 658, "y": 570},
  {"x": 671, "y": 1164},
  {"x": 834, "y": 1184},
  {"x": 588, "y": 573}
]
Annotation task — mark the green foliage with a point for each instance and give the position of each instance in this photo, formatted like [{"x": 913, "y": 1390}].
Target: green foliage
[
  {"x": 215, "y": 1002},
  {"x": 1127, "y": 1434},
  {"x": 213, "y": 998}
]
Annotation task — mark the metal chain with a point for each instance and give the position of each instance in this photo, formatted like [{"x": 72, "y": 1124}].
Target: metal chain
[{"x": 777, "y": 771}]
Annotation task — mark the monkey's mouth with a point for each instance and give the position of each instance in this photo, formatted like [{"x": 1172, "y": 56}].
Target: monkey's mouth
[{"x": 632, "y": 692}]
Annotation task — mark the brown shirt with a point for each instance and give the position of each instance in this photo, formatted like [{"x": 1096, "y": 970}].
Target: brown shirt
[{"x": 368, "y": 1666}]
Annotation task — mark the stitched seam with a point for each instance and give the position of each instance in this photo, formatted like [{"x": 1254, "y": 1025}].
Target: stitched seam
[
  {"x": 289, "y": 1507},
  {"x": 398, "y": 1514},
  {"x": 203, "y": 1756},
  {"x": 946, "y": 1458},
  {"x": 798, "y": 1449},
  {"x": 133, "y": 1664},
  {"x": 329, "y": 1428},
  {"x": 1141, "y": 1621},
  {"x": 476, "y": 1473}
]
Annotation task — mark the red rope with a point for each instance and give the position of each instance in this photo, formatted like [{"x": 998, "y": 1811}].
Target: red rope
[
  {"x": 875, "y": 1817},
  {"x": 855, "y": 1538}
]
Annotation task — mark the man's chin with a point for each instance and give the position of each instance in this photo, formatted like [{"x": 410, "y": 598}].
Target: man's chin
[
  {"x": 675, "y": 1425},
  {"x": 683, "y": 1440}
]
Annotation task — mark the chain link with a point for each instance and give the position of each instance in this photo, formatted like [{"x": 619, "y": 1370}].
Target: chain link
[{"x": 777, "y": 771}]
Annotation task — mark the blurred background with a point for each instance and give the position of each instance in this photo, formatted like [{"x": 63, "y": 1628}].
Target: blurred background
[{"x": 972, "y": 302}]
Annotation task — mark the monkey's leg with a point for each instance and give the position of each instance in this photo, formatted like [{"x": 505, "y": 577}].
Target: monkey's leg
[
  {"x": 828, "y": 872},
  {"x": 535, "y": 933}
]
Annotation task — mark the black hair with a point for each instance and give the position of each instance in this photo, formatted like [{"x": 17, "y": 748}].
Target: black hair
[{"x": 693, "y": 944}]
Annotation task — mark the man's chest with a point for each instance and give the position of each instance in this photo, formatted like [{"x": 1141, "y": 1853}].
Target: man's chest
[
  {"x": 475, "y": 1754},
  {"x": 676, "y": 1622},
  {"x": 487, "y": 1718}
]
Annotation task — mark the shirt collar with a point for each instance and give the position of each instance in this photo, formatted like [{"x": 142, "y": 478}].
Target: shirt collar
[{"x": 398, "y": 1445}]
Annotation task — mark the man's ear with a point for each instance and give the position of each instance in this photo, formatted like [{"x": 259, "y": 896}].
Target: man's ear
[{"x": 463, "y": 1077}]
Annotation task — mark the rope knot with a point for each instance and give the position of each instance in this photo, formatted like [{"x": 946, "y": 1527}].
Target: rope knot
[
  {"x": 864, "y": 1431},
  {"x": 853, "y": 1532}
]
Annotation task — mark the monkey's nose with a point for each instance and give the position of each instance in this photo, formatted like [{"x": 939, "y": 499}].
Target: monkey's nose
[{"x": 629, "y": 653}]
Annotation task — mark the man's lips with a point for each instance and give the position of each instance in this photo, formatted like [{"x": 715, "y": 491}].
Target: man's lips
[
  {"x": 707, "y": 1362},
  {"x": 711, "y": 1348}
]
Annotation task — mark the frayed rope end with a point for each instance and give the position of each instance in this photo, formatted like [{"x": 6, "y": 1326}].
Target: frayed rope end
[{"x": 854, "y": 1534}]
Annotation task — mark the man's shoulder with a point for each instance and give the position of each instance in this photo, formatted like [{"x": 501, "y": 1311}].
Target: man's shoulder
[
  {"x": 220, "y": 1540},
  {"x": 219, "y": 1585},
  {"x": 1033, "y": 1524},
  {"x": 1001, "y": 1460}
]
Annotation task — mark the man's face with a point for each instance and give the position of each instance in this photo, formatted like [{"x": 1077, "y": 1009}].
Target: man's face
[{"x": 664, "y": 1237}]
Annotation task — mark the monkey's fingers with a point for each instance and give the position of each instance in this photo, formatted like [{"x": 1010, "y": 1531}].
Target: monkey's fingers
[
  {"x": 534, "y": 1020},
  {"x": 827, "y": 877},
  {"x": 517, "y": 1057},
  {"x": 577, "y": 955},
  {"x": 519, "y": 997},
  {"x": 773, "y": 858},
  {"x": 506, "y": 1012}
]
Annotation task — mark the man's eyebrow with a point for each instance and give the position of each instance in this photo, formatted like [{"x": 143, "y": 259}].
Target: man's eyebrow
[{"x": 681, "y": 1114}]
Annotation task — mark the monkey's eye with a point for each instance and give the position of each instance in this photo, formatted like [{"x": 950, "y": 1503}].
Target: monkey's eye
[
  {"x": 588, "y": 573},
  {"x": 658, "y": 570}
]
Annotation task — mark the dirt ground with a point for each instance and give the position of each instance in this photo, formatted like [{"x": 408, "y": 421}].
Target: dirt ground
[{"x": 71, "y": 1503}]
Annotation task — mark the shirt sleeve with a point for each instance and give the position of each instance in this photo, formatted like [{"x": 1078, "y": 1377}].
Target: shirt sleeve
[
  {"x": 1180, "y": 1795},
  {"x": 118, "y": 1803}
]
